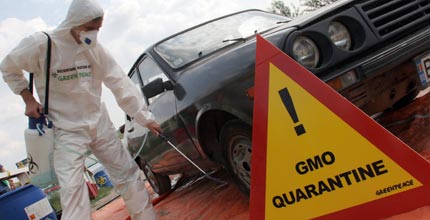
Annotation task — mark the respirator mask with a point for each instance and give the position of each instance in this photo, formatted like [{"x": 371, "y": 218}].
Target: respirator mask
[{"x": 88, "y": 38}]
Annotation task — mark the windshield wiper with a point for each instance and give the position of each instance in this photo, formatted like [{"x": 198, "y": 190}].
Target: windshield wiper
[
  {"x": 234, "y": 39},
  {"x": 224, "y": 41},
  {"x": 281, "y": 22}
]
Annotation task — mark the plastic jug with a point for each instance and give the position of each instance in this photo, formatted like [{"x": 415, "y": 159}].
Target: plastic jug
[{"x": 39, "y": 142}]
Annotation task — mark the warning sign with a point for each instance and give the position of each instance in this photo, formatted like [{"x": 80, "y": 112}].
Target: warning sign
[{"x": 322, "y": 157}]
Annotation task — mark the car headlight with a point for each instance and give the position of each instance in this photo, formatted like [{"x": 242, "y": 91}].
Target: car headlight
[
  {"x": 306, "y": 52},
  {"x": 339, "y": 35}
]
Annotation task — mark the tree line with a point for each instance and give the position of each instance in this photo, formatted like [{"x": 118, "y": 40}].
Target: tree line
[{"x": 292, "y": 11}]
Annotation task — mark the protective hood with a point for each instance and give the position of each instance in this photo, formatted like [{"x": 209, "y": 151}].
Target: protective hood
[{"x": 80, "y": 12}]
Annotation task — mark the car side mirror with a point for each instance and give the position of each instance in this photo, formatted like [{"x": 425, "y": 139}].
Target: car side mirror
[
  {"x": 157, "y": 87},
  {"x": 153, "y": 88},
  {"x": 178, "y": 90},
  {"x": 168, "y": 85}
]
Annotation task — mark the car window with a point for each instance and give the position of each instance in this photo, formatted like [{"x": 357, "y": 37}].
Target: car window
[
  {"x": 199, "y": 41},
  {"x": 150, "y": 71},
  {"x": 136, "y": 81}
]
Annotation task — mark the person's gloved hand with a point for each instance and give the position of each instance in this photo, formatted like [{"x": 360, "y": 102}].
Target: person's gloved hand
[{"x": 155, "y": 128}]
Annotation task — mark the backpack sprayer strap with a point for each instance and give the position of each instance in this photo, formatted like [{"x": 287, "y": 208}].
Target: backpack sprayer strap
[
  {"x": 48, "y": 67},
  {"x": 34, "y": 122}
]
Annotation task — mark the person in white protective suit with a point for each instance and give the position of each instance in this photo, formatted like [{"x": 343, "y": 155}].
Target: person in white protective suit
[{"x": 79, "y": 66}]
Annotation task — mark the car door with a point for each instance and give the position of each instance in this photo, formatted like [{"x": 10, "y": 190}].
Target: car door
[{"x": 157, "y": 153}]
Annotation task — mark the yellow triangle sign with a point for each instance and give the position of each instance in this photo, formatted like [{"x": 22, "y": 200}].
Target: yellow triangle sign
[{"x": 317, "y": 156}]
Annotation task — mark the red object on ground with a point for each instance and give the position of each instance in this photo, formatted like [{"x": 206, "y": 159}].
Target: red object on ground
[
  {"x": 93, "y": 190},
  {"x": 57, "y": 187}
]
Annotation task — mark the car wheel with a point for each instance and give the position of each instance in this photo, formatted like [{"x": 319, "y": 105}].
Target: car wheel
[
  {"x": 236, "y": 138},
  {"x": 160, "y": 183}
]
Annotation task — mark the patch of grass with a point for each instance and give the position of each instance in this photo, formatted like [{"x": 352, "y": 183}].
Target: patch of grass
[{"x": 103, "y": 192}]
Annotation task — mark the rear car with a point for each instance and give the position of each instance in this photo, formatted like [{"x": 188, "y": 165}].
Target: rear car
[{"x": 199, "y": 82}]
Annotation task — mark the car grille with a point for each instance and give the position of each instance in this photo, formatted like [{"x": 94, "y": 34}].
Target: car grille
[{"x": 396, "y": 17}]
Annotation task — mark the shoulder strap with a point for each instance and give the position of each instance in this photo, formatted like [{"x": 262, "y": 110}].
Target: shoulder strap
[{"x": 48, "y": 67}]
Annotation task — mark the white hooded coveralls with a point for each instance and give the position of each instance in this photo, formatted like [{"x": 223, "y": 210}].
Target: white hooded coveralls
[{"x": 80, "y": 119}]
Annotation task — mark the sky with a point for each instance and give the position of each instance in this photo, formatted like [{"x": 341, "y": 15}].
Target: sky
[{"x": 129, "y": 27}]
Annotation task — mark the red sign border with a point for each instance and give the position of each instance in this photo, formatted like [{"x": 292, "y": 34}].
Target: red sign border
[{"x": 389, "y": 144}]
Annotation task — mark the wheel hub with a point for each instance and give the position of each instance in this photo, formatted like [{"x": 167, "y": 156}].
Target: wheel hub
[{"x": 241, "y": 159}]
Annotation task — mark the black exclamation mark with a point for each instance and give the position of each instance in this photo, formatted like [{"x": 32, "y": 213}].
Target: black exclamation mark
[{"x": 288, "y": 102}]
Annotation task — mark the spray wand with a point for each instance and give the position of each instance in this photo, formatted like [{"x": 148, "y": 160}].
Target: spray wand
[{"x": 207, "y": 175}]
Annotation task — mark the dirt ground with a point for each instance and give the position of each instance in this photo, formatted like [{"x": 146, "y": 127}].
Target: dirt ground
[
  {"x": 204, "y": 199},
  {"x": 193, "y": 198},
  {"x": 207, "y": 200}
]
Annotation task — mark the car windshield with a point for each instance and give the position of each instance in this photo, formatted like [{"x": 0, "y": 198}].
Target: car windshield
[{"x": 188, "y": 46}]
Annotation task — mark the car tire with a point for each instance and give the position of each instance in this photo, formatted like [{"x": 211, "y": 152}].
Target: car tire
[
  {"x": 160, "y": 183},
  {"x": 236, "y": 139}
]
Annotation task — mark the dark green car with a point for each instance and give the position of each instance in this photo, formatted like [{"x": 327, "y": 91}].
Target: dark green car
[{"x": 199, "y": 82}]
